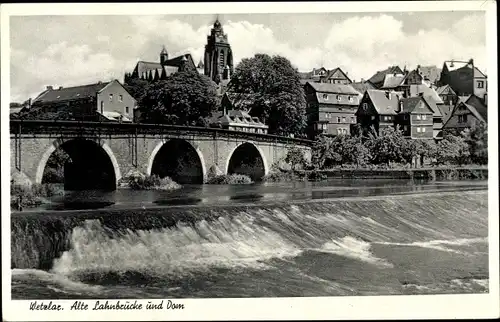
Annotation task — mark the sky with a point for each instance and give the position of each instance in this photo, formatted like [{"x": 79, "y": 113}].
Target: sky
[{"x": 77, "y": 50}]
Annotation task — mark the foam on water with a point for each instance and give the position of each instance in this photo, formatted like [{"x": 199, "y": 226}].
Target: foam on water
[
  {"x": 353, "y": 248},
  {"x": 222, "y": 243},
  {"x": 438, "y": 244}
]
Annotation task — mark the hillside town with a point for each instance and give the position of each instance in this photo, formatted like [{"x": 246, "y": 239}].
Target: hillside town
[{"x": 422, "y": 101}]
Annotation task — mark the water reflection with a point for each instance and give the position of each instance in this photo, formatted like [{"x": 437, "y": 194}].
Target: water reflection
[{"x": 260, "y": 192}]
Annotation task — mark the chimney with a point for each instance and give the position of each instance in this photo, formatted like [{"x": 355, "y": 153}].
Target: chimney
[{"x": 50, "y": 88}]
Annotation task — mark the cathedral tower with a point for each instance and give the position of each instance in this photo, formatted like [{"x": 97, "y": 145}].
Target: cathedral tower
[
  {"x": 218, "y": 54},
  {"x": 163, "y": 56}
]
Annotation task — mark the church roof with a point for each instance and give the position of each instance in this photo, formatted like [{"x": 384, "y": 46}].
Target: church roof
[{"x": 70, "y": 93}]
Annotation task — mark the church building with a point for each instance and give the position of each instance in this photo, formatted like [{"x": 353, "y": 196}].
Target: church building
[{"x": 217, "y": 63}]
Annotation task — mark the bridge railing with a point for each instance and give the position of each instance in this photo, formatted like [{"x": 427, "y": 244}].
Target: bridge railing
[{"x": 56, "y": 127}]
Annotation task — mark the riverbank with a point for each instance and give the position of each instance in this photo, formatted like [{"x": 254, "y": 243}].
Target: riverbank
[{"x": 432, "y": 173}]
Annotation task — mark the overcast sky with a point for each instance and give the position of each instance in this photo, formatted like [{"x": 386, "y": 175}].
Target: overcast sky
[{"x": 74, "y": 50}]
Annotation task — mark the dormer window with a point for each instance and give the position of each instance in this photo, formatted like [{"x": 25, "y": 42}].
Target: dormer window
[
  {"x": 339, "y": 98},
  {"x": 350, "y": 98},
  {"x": 325, "y": 96},
  {"x": 110, "y": 97}
]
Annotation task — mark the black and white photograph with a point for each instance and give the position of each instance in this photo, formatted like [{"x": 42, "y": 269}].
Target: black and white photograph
[{"x": 171, "y": 153}]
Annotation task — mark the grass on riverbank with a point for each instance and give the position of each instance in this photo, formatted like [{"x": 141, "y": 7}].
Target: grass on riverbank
[{"x": 230, "y": 179}]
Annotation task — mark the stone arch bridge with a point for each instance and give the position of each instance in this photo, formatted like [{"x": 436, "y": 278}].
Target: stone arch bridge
[{"x": 102, "y": 153}]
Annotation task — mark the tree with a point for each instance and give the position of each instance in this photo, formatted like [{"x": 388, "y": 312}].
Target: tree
[
  {"x": 278, "y": 97},
  {"x": 452, "y": 149},
  {"x": 388, "y": 146},
  {"x": 339, "y": 150},
  {"x": 137, "y": 88},
  {"x": 182, "y": 99},
  {"x": 295, "y": 157},
  {"x": 477, "y": 139}
]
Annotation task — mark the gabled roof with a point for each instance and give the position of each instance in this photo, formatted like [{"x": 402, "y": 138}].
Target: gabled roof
[
  {"x": 392, "y": 81},
  {"x": 446, "y": 89},
  {"x": 383, "y": 102},
  {"x": 479, "y": 113},
  {"x": 415, "y": 90},
  {"x": 337, "y": 70},
  {"x": 379, "y": 76},
  {"x": 235, "y": 117},
  {"x": 362, "y": 87},
  {"x": 409, "y": 104},
  {"x": 433, "y": 106},
  {"x": 478, "y": 73},
  {"x": 333, "y": 88},
  {"x": 70, "y": 93}
]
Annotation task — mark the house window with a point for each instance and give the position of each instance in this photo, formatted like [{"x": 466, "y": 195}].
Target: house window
[
  {"x": 126, "y": 110},
  {"x": 325, "y": 96},
  {"x": 120, "y": 98},
  {"x": 365, "y": 106},
  {"x": 110, "y": 97},
  {"x": 406, "y": 117},
  {"x": 353, "y": 119},
  {"x": 350, "y": 98},
  {"x": 324, "y": 126},
  {"x": 480, "y": 84},
  {"x": 339, "y": 98},
  {"x": 405, "y": 128},
  {"x": 102, "y": 107},
  {"x": 373, "y": 118},
  {"x": 338, "y": 119},
  {"x": 418, "y": 129},
  {"x": 418, "y": 117},
  {"x": 343, "y": 119},
  {"x": 424, "y": 117},
  {"x": 423, "y": 129}
]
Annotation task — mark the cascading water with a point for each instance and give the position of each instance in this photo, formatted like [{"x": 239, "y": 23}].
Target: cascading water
[{"x": 384, "y": 245}]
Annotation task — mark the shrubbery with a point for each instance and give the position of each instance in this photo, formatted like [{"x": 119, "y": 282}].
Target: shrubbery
[
  {"x": 230, "y": 179},
  {"x": 33, "y": 195},
  {"x": 390, "y": 149},
  {"x": 153, "y": 182}
]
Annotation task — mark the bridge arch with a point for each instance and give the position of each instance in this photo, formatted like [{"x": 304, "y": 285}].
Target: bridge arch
[
  {"x": 98, "y": 145},
  {"x": 186, "y": 165},
  {"x": 249, "y": 159}
]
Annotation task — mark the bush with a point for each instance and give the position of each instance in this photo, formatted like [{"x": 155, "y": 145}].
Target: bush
[
  {"x": 34, "y": 195},
  {"x": 230, "y": 179},
  {"x": 153, "y": 182}
]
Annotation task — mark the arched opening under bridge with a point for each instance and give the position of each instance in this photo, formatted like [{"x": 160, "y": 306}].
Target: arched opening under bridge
[
  {"x": 247, "y": 159},
  {"x": 80, "y": 164},
  {"x": 179, "y": 160}
]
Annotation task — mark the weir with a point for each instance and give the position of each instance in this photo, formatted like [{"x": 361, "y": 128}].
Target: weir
[{"x": 115, "y": 239}]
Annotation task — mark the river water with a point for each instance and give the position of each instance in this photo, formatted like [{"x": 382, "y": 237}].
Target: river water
[{"x": 343, "y": 237}]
